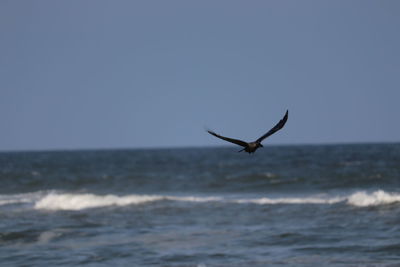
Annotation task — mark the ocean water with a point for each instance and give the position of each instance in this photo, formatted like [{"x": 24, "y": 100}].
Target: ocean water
[{"x": 331, "y": 205}]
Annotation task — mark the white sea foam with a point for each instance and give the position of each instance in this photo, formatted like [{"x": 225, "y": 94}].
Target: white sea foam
[
  {"x": 359, "y": 199},
  {"x": 380, "y": 197},
  {"x": 53, "y": 200},
  {"x": 12, "y": 201},
  {"x": 20, "y": 198},
  {"x": 85, "y": 201},
  {"x": 57, "y": 201},
  {"x": 291, "y": 200}
]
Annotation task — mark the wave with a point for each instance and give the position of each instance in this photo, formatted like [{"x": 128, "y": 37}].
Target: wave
[
  {"x": 84, "y": 201},
  {"x": 20, "y": 198},
  {"x": 380, "y": 197},
  {"x": 296, "y": 200},
  {"x": 54, "y": 200}
]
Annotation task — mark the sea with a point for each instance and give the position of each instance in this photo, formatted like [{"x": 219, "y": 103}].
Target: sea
[{"x": 292, "y": 205}]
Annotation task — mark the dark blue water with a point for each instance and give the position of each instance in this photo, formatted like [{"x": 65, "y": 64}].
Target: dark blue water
[{"x": 333, "y": 205}]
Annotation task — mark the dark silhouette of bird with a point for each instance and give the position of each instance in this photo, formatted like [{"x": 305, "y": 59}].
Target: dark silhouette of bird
[{"x": 253, "y": 146}]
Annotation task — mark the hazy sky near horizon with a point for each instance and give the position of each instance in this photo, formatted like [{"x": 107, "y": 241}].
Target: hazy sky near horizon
[{"x": 133, "y": 74}]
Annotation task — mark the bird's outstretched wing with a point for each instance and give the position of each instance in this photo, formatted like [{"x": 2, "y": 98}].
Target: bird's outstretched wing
[
  {"x": 235, "y": 141},
  {"x": 276, "y": 128}
]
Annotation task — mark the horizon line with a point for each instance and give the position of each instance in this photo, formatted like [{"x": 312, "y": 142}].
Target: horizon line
[{"x": 192, "y": 147}]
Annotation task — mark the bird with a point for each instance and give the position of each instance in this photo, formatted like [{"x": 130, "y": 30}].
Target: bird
[{"x": 251, "y": 147}]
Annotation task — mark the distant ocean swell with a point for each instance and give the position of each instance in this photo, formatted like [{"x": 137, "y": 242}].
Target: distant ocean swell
[{"x": 53, "y": 200}]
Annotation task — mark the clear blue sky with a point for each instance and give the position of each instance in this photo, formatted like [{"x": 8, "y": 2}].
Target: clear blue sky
[{"x": 130, "y": 74}]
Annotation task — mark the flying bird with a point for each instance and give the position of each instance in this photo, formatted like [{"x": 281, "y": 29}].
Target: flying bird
[{"x": 251, "y": 147}]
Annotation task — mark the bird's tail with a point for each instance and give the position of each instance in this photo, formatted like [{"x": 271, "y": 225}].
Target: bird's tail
[{"x": 241, "y": 150}]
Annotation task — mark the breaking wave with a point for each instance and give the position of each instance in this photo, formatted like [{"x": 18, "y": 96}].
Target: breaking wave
[
  {"x": 20, "y": 198},
  {"x": 380, "y": 197},
  {"x": 78, "y": 201},
  {"x": 85, "y": 201}
]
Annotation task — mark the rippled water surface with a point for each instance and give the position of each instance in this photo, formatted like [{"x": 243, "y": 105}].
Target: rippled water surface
[{"x": 333, "y": 205}]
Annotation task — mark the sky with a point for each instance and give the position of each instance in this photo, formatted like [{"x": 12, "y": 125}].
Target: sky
[{"x": 145, "y": 74}]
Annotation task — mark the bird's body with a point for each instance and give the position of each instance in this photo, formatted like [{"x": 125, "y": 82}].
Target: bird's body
[{"x": 251, "y": 147}]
